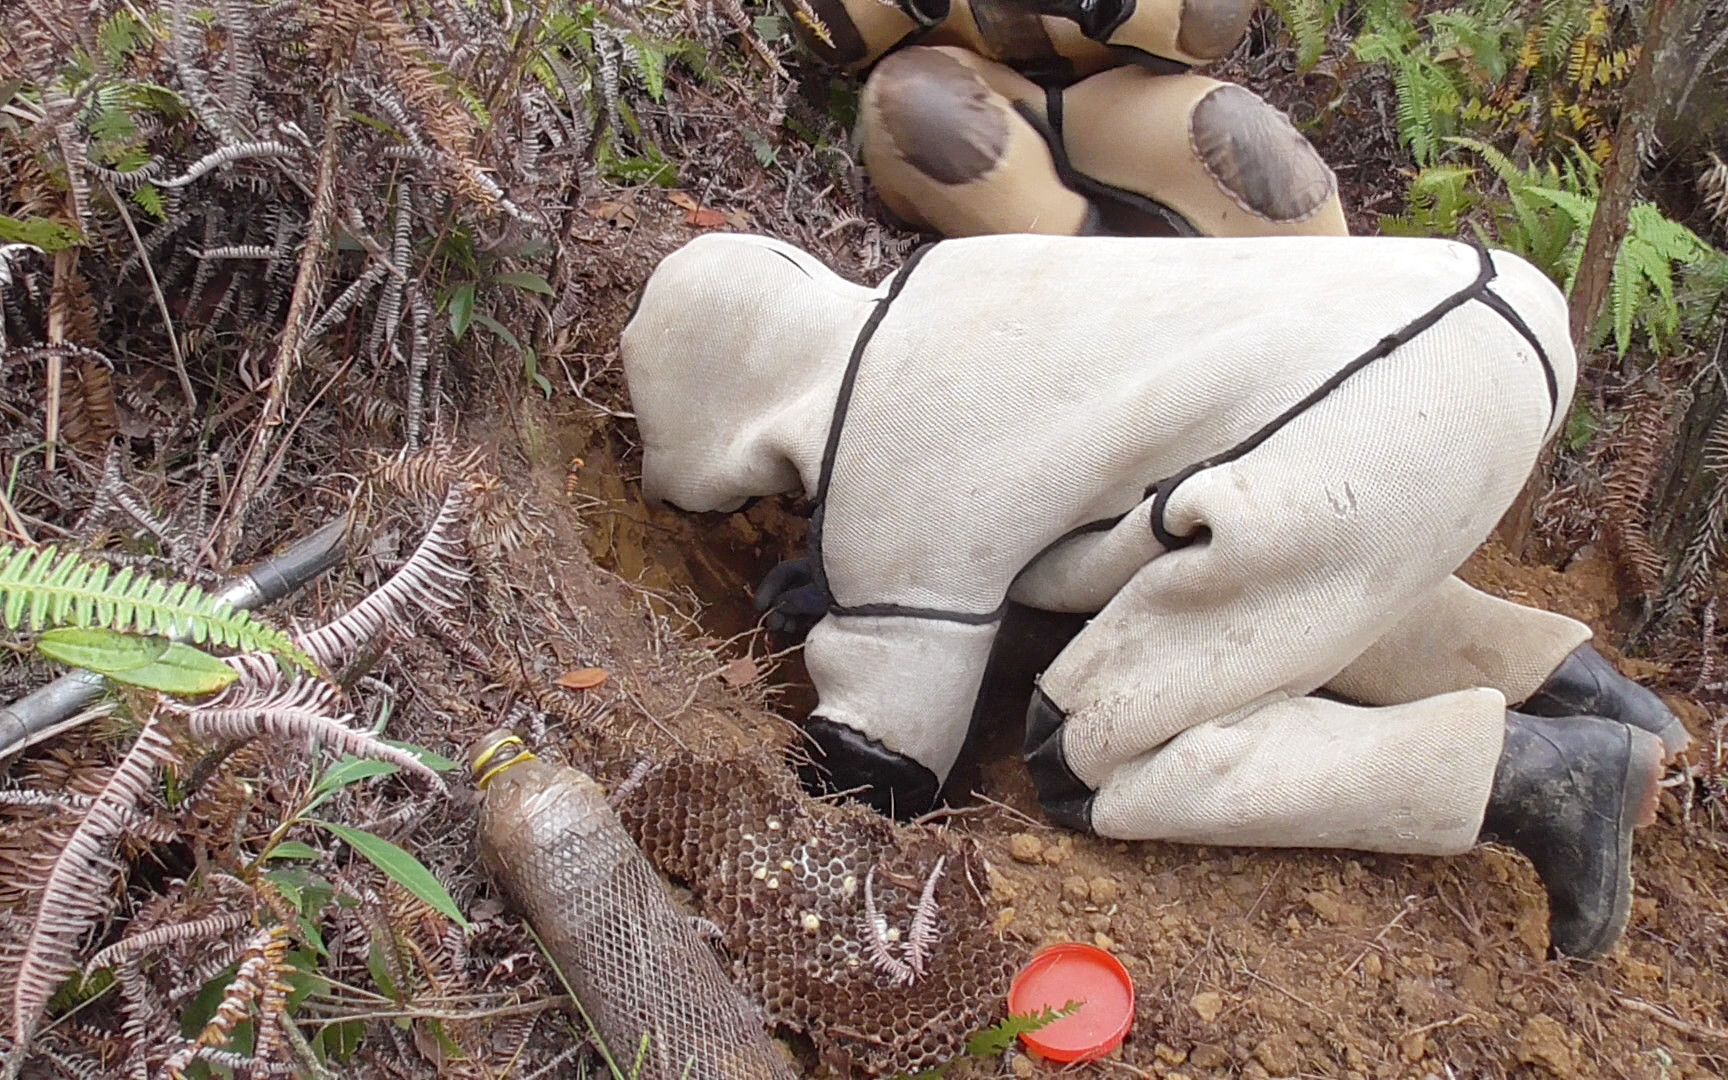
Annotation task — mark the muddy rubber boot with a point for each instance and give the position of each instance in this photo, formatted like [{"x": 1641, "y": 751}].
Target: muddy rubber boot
[
  {"x": 1567, "y": 794},
  {"x": 845, "y": 761},
  {"x": 1586, "y": 684}
]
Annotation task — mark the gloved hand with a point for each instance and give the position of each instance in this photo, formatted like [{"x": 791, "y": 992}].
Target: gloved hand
[
  {"x": 1096, "y": 18},
  {"x": 793, "y": 599}
]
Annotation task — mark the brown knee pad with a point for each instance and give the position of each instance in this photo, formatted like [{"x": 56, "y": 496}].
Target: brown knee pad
[
  {"x": 1213, "y": 152},
  {"x": 1191, "y": 31},
  {"x": 946, "y": 150},
  {"x": 854, "y": 33}
]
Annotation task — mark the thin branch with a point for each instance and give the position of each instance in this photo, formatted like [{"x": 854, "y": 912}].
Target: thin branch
[
  {"x": 161, "y": 301},
  {"x": 318, "y": 232}
]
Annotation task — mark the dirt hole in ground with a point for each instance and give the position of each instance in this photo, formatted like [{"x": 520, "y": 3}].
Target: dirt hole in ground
[{"x": 703, "y": 569}]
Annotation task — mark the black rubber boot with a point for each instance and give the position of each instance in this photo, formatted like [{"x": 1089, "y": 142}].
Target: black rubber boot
[
  {"x": 1066, "y": 799},
  {"x": 1586, "y": 684},
  {"x": 1567, "y": 794},
  {"x": 843, "y": 760}
]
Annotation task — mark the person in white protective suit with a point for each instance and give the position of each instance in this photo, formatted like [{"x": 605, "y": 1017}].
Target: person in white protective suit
[{"x": 1258, "y": 461}]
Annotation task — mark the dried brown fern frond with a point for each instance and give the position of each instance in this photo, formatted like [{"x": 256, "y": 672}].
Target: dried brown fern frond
[
  {"x": 142, "y": 1013},
  {"x": 1695, "y": 577},
  {"x": 302, "y": 709},
  {"x": 77, "y": 884},
  {"x": 428, "y": 475},
  {"x": 426, "y": 581},
  {"x": 503, "y": 525},
  {"x": 1626, "y": 519},
  {"x": 134, "y": 945},
  {"x": 1713, "y": 186},
  {"x": 91, "y": 417},
  {"x": 258, "y": 982}
]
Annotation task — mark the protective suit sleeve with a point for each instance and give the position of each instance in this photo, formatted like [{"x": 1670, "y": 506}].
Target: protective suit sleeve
[
  {"x": 907, "y": 685},
  {"x": 1458, "y": 637}
]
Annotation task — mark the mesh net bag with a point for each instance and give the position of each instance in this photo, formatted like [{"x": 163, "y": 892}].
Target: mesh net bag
[
  {"x": 639, "y": 967},
  {"x": 875, "y": 940}
]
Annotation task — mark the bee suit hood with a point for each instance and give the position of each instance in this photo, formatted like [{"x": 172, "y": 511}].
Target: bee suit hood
[{"x": 732, "y": 360}]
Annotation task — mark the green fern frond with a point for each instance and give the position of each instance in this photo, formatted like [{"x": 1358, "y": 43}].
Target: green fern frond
[
  {"x": 1575, "y": 206},
  {"x": 1673, "y": 240},
  {"x": 40, "y": 588},
  {"x": 649, "y": 60},
  {"x": 1624, "y": 294},
  {"x": 1563, "y": 21},
  {"x": 1508, "y": 171},
  {"x": 1415, "y": 112},
  {"x": 121, "y": 35},
  {"x": 998, "y": 1040},
  {"x": 1654, "y": 265},
  {"x": 1306, "y": 22}
]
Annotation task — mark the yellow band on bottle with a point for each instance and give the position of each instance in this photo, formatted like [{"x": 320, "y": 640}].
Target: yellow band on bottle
[{"x": 522, "y": 754}]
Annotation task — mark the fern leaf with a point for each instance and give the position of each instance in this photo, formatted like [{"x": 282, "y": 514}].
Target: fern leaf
[
  {"x": 1673, "y": 240},
  {"x": 301, "y": 709},
  {"x": 1306, "y": 23},
  {"x": 1413, "y": 126},
  {"x": 425, "y": 581},
  {"x": 998, "y": 1040},
  {"x": 41, "y": 589},
  {"x": 78, "y": 883},
  {"x": 1581, "y": 210},
  {"x": 1624, "y": 292},
  {"x": 1562, "y": 22},
  {"x": 1653, "y": 264},
  {"x": 134, "y": 945},
  {"x": 1530, "y": 53}
]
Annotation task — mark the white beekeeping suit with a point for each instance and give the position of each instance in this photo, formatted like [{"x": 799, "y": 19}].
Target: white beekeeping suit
[{"x": 1258, "y": 461}]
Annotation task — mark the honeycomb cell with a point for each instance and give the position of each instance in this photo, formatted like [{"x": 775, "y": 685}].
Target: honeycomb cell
[{"x": 715, "y": 823}]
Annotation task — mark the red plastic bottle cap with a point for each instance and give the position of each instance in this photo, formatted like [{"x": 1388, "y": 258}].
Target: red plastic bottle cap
[{"x": 1074, "y": 972}]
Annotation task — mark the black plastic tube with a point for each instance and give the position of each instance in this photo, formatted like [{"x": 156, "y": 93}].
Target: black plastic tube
[{"x": 59, "y": 705}]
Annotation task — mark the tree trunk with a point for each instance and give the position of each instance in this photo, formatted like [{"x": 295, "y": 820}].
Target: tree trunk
[{"x": 1648, "y": 87}]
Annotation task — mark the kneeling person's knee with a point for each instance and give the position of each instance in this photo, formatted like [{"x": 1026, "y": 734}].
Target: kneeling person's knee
[
  {"x": 938, "y": 115},
  {"x": 1258, "y": 158}
]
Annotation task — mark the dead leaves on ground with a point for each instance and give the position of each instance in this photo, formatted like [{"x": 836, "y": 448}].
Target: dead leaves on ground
[
  {"x": 741, "y": 672},
  {"x": 587, "y": 678},
  {"x": 705, "y": 217},
  {"x": 622, "y": 215}
]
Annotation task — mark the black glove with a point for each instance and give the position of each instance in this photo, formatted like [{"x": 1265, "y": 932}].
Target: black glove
[
  {"x": 1097, "y": 19},
  {"x": 792, "y": 597}
]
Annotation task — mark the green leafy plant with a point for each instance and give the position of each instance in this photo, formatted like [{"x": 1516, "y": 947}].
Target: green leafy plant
[
  {"x": 1438, "y": 66},
  {"x": 1543, "y": 76},
  {"x": 44, "y": 589},
  {"x": 43, "y": 234},
  {"x": 1543, "y": 213},
  {"x": 998, "y": 1039},
  {"x": 1307, "y": 21},
  {"x": 462, "y": 304},
  {"x": 153, "y": 663},
  {"x": 399, "y": 866}
]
